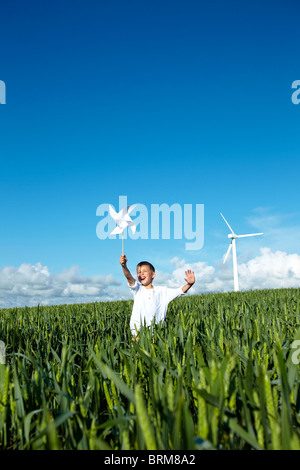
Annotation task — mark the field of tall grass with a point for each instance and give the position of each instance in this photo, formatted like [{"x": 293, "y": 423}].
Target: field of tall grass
[{"x": 220, "y": 373}]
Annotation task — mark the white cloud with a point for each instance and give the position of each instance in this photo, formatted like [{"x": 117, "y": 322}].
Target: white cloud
[
  {"x": 269, "y": 270},
  {"x": 34, "y": 284},
  {"x": 31, "y": 285}
]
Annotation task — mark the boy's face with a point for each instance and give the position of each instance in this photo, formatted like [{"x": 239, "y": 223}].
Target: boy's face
[{"x": 145, "y": 275}]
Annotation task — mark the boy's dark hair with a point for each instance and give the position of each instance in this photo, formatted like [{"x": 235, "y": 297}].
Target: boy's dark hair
[{"x": 143, "y": 263}]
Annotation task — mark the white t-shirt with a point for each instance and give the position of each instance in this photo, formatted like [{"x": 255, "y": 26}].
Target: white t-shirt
[{"x": 150, "y": 304}]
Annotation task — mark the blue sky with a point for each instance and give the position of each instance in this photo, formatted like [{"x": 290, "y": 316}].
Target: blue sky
[{"x": 184, "y": 102}]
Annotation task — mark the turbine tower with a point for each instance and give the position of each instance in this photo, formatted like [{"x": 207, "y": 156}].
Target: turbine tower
[{"x": 232, "y": 246}]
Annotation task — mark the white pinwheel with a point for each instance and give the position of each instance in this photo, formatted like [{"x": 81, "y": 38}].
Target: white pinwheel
[{"x": 122, "y": 219}]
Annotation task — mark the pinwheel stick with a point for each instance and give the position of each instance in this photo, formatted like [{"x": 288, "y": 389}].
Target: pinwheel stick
[{"x": 123, "y": 264}]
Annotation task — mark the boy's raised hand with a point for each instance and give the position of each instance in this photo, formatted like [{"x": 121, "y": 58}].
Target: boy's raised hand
[
  {"x": 190, "y": 277},
  {"x": 123, "y": 260}
]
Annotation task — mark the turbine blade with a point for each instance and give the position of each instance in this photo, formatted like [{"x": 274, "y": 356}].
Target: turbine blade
[
  {"x": 249, "y": 235},
  {"x": 227, "y": 253},
  {"x": 227, "y": 224}
]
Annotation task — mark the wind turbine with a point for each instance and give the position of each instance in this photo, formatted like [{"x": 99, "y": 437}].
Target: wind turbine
[{"x": 232, "y": 246}]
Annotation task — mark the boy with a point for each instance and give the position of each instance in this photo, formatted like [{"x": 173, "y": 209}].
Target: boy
[{"x": 150, "y": 303}]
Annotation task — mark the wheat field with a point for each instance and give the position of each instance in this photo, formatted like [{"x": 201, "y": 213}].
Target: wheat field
[{"x": 219, "y": 373}]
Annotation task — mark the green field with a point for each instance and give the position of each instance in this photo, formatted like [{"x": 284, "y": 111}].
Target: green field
[{"x": 220, "y": 373}]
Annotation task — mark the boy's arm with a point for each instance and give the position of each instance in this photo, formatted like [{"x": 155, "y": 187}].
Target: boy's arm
[
  {"x": 127, "y": 274},
  {"x": 190, "y": 279}
]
